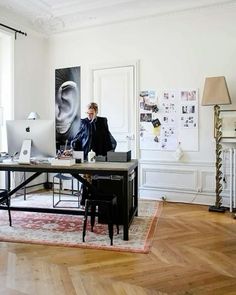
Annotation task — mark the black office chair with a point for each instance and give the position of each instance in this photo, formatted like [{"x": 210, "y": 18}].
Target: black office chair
[
  {"x": 107, "y": 212},
  {"x": 4, "y": 200},
  {"x": 63, "y": 197}
]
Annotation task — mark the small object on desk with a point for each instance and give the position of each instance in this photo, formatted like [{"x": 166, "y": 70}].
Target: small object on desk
[
  {"x": 78, "y": 156},
  {"x": 40, "y": 161},
  {"x": 101, "y": 158},
  {"x": 63, "y": 161},
  {"x": 91, "y": 156},
  {"x": 119, "y": 156}
]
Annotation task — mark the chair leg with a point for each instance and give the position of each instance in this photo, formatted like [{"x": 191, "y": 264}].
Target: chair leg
[
  {"x": 116, "y": 218},
  {"x": 53, "y": 193},
  {"x": 110, "y": 228},
  {"x": 9, "y": 211},
  {"x": 72, "y": 186},
  {"x": 60, "y": 189},
  {"x": 85, "y": 219},
  {"x": 78, "y": 193},
  {"x": 93, "y": 212},
  {"x": 9, "y": 214},
  {"x": 110, "y": 222},
  {"x": 111, "y": 213}
]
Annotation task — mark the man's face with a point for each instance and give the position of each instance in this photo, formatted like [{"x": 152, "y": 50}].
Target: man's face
[{"x": 91, "y": 113}]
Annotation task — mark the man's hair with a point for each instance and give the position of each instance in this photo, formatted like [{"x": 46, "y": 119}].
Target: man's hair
[{"x": 94, "y": 106}]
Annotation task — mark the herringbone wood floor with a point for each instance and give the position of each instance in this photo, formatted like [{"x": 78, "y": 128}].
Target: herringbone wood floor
[{"x": 194, "y": 252}]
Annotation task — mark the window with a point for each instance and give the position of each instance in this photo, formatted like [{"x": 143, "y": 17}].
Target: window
[{"x": 6, "y": 87}]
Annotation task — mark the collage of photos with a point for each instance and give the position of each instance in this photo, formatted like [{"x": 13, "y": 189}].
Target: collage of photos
[{"x": 163, "y": 116}]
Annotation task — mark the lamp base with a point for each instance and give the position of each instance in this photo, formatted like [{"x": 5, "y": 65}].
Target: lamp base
[{"x": 217, "y": 209}]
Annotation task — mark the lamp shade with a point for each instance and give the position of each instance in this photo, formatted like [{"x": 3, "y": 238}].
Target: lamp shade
[
  {"x": 33, "y": 116},
  {"x": 215, "y": 92}
]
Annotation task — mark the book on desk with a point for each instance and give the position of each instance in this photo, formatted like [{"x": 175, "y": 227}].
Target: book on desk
[{"x": 63, "y": 161}]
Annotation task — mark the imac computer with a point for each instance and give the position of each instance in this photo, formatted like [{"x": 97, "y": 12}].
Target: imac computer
[{"x": 31, "y": 139}]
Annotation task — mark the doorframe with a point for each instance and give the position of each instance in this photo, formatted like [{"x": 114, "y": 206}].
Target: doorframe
[{"x": 135, "y": 64}]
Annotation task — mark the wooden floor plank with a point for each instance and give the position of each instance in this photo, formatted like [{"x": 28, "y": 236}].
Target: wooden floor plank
[{"x": 193, "y": 253}]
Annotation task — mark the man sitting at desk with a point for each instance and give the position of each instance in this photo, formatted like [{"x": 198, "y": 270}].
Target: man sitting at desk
[{"x": 93, "y": 135}]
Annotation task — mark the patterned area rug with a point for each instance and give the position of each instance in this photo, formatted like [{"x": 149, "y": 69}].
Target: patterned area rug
[{"x": 66, "y": 230}]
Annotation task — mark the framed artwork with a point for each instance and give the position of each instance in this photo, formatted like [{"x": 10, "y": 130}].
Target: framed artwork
[
  {"x": 228, "y": 128},
  {"x": 67, "y": 105}
]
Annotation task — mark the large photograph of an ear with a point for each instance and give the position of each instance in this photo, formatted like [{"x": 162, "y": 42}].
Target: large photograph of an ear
[{"x": 67, "y": 104}]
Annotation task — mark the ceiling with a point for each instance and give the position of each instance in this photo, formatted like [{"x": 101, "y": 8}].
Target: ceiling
[{"x": 56, "y": 16}]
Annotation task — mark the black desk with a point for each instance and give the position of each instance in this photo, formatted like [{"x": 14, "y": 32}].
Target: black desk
[{"x": 99, "y": 168}]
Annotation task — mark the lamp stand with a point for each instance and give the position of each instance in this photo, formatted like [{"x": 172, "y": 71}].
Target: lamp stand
[{"x": 218, "y": 135}]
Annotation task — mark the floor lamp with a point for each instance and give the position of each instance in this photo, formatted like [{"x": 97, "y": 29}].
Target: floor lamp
[{"x": 216, "y": 93}]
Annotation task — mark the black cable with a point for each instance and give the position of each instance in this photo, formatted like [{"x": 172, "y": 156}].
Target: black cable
[{"x": 15, "y": 30}]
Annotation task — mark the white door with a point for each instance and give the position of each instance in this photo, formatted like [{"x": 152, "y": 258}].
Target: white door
[{"x": 114, "y": 89}]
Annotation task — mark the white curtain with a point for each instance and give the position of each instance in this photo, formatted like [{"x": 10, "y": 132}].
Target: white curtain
[{"x": 6, "y": 89}]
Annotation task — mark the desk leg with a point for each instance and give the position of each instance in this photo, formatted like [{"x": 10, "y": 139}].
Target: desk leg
[
  {"x": 136, "y": 191},
  {"x": 47, "y": 184},
  {"x": 125, "y": 206},
  {"x": 8, "y": 180},
  {"x": 24, "y": 186}
]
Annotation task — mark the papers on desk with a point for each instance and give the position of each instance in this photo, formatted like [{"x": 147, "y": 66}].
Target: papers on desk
[{"x": 63, "y": 162}]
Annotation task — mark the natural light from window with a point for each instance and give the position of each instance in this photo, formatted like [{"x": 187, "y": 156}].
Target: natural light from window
[{"x": 6, "y": 88}]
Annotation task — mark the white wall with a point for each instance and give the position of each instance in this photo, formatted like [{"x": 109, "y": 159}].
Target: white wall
[
  {"x": 32, "y": 76},
  {"x": 175, "y": 51}
]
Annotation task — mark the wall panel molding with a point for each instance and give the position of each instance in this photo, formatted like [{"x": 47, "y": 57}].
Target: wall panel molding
[
  {"x": 179, "y": 182},
  {"x": 169, "y": 179}
]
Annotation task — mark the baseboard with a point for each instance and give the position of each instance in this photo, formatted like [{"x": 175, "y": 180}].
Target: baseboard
[{"x": 180, "y": 196}]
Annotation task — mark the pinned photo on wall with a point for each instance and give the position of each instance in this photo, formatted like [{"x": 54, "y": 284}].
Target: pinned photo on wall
[
  {"x": 168, "y": 101},
  {"x": 148, "y": 101},
  {"x": 156, "y": 129},
  {"x": 188, "y": 122},
  {"x": 169, "y": 119},
  {"x": 188, "y": 109},
  {"x": 188, "y": 95},
  {"x": 156, "y": 122},
  {"x": 145, "y": 117},
  {"x": 170, "y": 95}
]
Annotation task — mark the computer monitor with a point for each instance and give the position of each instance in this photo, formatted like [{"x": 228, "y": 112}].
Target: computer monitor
[{"x": 41, "y": 133}]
